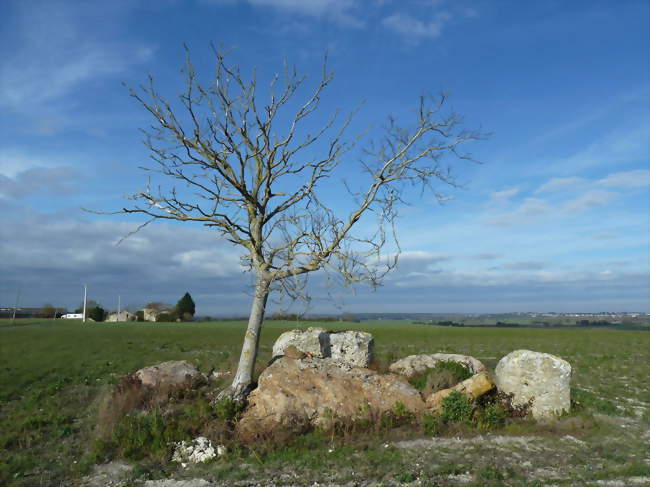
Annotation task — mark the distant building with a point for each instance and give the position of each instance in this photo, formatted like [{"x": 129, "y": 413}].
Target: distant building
[
  {"x": 123, "y": 315},
  {"x": 152, "y": 314},
  {"x": 73, "y": 316}
]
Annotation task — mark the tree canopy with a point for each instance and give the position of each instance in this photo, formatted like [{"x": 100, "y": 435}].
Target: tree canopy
[
  {"x": 185, "y": 308},
  {"x": 252, "y": 167}
]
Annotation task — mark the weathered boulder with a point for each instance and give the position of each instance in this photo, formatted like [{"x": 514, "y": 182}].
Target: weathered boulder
[
  {"x": 472, "y": 388},
  {"x": 541, "y": 378},
  {"x": 351, "y": 347},
  {"x": 170, "y": 374},
  {"x": 312, "y": 341},
  {"x": 418, "y": 364},
  {"x": 315, "y": 391}
]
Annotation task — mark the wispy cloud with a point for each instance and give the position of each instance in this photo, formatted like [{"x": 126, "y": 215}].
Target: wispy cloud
[
  {"x": 54, "y": 54},
  {"x": 639, "y": 178},
  {"x": 487, "y": 256},
  {"x": 504, "y": 196},
  {"x": 416, "y": 29},
  {"x": 559, "y": 184},
  {"x": 529, "y": 211},
  {"x": 39, "y": 179},
  {"x": 614, "y": 105},
  {"x": 342, "y": 12},
  {"x": 527, "y": 265},
  {"x": 588, "y": 201},
  {"x": 616, "y": 148}
]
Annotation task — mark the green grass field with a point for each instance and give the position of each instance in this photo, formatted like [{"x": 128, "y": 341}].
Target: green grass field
[{"x": 53, "y": 372}]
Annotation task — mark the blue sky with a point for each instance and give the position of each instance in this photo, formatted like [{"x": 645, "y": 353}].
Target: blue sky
[{"x": 555, "y": 218}]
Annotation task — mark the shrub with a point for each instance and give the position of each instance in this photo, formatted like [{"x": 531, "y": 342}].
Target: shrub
[
  {"x": 166, "y": 317},
  {"x": 430, "y": 424},
  {"x": 442, "y": 376},
  {"x": 492, "y": 416},
  {"x": 456, "y": 408},
  {"x": 398, "y": 415},
  {"x": 227, "y": 409},
  {"x": 97, "y": 313},
  {"x": 140, "y": 433},
  {"x": 504, "y": 402}
]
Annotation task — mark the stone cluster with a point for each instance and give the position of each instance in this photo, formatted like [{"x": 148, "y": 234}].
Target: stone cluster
[
  {"x": 324, "y": 375},
  {"x": 199, "y": 450}
]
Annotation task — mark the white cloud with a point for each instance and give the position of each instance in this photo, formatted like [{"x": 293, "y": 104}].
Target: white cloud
[
  {"x": 528, "y": 212},
  {"x": 414, "y": 28},
  {"x": 588, "y": 201},
  {"x": 559, "y": 184},
  {"x": 340, "y": 11},
  {"x": 503, "y": 197},
  {"x": 629, "y": 179}
]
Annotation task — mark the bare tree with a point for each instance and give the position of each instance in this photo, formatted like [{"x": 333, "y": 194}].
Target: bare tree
[{"x": 245, "y": 169}]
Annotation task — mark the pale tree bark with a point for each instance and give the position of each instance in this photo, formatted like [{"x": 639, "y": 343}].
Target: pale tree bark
[
  {"x": 244, "y": 376},
  {"x": 227, "y": 163}
]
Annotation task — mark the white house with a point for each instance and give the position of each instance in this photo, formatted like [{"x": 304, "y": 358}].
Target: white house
[{"x": 73, "y": 316}]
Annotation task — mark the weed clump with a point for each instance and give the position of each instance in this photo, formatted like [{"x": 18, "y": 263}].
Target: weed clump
[
  {"x": 443, "y": 375},
  {"x": 228, "y": 410},
  {"x": 431, "y": 424},
  {"x": 456, "y": 408},
  {"x": 398, "y": 415}
]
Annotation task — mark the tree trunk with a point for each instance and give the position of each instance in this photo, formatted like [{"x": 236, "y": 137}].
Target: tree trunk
[{"x": 242, "y": 383}]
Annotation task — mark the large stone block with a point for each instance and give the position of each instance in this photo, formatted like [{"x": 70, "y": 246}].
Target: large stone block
[
  {"x": 472, "y": 388},
  {"x": 312, "y": 341},
  {"x": 170, "y": 374},
  {"x": 418, "y": 364},
  {"x": 350, "y": 347},
  {"x": 293, "y": 392},
  {"x": 541, "y": 378}
]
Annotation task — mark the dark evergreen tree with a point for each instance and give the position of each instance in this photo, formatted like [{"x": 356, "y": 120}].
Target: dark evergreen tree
[
  {"x": 185, "y": 307},
  {"x": 97, "y": 313}
]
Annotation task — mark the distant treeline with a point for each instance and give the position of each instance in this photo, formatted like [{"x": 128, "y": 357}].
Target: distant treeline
[{"x": 578, "y": 324}]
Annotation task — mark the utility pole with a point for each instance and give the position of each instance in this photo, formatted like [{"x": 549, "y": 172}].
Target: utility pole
[
  {"x": 119, "y": 305},
  {"x": 13, "y": 317},
  {"x": 85, "y": 296}
]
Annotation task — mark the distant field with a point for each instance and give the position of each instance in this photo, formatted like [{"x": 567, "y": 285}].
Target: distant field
[{"x": 51, "y": 373}]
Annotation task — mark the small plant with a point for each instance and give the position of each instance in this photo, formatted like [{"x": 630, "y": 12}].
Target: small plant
[
  {"x": 489, "y": 475},
  {"x": 399, "y": 415},
  {"x": 456, "y": 408},
  {"x": 145, "y": 434},
  {"x": 443, "y": 375},
  {"x": 406, "y": 477},
  {"x": 492, "y": 416},
  {"x": 430, "y": 424},
  {"x": 227, "y": 409}
]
